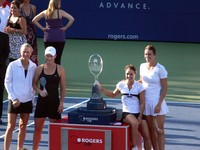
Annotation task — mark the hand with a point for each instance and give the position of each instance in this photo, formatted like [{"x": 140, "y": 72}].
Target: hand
[
  {"x": 16, "y": 103},
  {"x": 7, "y": 29},
  {"x": 140, "y": 119},
  {"x": 157, "y": 108},
  {"x": 100, "y": 87},
  {"x": 60, "y": 108},
  {"x": 63, "y": 29},
  {"x": 43, "y": 93}
]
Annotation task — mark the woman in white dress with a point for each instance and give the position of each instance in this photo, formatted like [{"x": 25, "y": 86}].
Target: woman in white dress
[
  {"x": 153, "y": 76},
  {"x": 133, "y": 103}
]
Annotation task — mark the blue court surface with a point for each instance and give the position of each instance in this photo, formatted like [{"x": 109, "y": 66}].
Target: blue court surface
[{"x": 182, "y": 124}]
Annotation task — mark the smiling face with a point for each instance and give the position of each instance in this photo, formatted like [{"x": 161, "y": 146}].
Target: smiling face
[
  {"x": 49, "y": 58},
  {"x": 149, "y": 55},
  {"x": 14, "y": 9},
  {"x": 26, "y": 53},
  {"x": 129, "y": 74}
]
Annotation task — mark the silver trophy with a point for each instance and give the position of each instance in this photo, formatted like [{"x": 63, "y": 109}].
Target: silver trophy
[
  {"x": 95, "y": 65},
  {"x": 43, "y": 82}
]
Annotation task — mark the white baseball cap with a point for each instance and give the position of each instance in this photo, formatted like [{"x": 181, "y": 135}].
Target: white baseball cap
[{"x": 50, "y": 50}]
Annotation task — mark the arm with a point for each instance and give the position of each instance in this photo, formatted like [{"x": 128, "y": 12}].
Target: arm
[
  {"x": 109, "y": 93},
  {"x": 23, "y": 26},
  {"x": 34, "y": 10},
  {"x": 8, "y": 81},
  {"x": 162, "y": 94},
  {"x": 69, "y": 18},
  {"x": 142, "y": 105},
  {"x": 140, "y": 80},
  {"x": 36, "y": 80},
  {"x": 62, "y": 88},
  {"x": 37, "y": 18}
]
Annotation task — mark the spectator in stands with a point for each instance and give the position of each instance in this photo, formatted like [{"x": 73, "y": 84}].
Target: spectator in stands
[
  {"x": 17, "y": 29},
  {"x": 54, "y": 32},
  {"x": 4, "y": 14},
  {"x": 4, "y": 51},
  {"x": 28, "y": 11}
]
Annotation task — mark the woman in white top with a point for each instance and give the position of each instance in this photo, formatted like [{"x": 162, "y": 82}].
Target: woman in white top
[
  {"x": 18, "y": 83},
  {"x": 133, "y": 103},
  {"x": 153, "y": 76}
]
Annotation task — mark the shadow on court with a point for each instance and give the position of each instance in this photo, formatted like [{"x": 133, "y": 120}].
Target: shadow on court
[{"x": 182, "y": 125}]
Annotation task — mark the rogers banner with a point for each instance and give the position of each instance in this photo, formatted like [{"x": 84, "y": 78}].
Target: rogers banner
[
  {"x": 140, "y": 20},
  {"x": 85, "y": 139}
]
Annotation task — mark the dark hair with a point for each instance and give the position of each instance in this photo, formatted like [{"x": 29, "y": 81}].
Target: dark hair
[
  {"x": 152, "y": 48},
  {"x": 131, "y": 67},
  {"x": 15, "y": 3}
]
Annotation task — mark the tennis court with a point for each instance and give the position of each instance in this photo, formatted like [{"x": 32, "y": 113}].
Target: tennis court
[
  {"x": 182, "y": 124},
  {"x": 180, "y": 59}
]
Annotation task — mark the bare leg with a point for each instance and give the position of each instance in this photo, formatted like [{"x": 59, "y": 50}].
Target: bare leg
[
  {"x": 39, "y": 123},
  {"x": 144, "y": 130},
  {"x": 153, "y": 132},
  {"x": 156, "y": 124},
  {"x": 10, "y": 127},
  {"x": 22, "y": 129},
  {"x": 133, "y": 122},
  {"x": 161, "y": 136}
]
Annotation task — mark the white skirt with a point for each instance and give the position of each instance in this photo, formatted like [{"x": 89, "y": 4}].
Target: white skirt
[{"x": 150, "y": 105}]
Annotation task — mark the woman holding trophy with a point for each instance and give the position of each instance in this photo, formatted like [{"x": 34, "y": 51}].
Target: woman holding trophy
[
  {"x": 133, "y": 104},
  {"x": 50, "y": 75}
]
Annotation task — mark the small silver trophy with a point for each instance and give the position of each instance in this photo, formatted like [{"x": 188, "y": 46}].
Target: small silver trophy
[
  {"x": 43, "y": 82},
  {"x": 95, "y": 65}
]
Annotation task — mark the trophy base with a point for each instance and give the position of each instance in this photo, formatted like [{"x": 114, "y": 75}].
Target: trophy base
[
  {"x": 97, "y": 117},
  {"x": 96, "y": 104}
]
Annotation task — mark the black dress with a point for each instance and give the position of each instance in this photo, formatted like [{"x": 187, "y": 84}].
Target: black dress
[{"x": 48, "y": 106}]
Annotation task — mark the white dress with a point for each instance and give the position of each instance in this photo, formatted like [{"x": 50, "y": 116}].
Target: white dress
[
  {"x": 152, "y": 85},
  {"x": 130, "y": 101}
]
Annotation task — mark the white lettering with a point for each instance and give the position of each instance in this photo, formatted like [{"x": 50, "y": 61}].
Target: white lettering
[
  {"x": 118, "y": 5},
  {"x": 108, "y": 5},
  {"x": 101, "y": 5},
  {"x": 89, "y": 140}
]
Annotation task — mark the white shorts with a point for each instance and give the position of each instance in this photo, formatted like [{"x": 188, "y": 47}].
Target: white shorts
[{"x": 150, "y": 105}]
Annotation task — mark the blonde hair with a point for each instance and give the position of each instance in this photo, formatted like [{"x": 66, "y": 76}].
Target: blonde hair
[
  {"x": 53, "y": 5},
  {"x": 26, "y": 45}
]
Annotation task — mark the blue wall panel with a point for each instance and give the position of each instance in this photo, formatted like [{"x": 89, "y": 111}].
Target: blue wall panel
[{"x": 143, "y": 20}]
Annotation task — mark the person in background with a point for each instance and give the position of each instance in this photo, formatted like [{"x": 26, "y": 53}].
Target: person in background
[
  {"x": 18, "y": 83},
  {"x": 54, "y": 32},
  {"x": 6, "y": 3},
  {"x": 17, "y": 29},
  {"x": 4, "y": 51},
  {"x": 153, "y": 76},
  {"x": 4, "y": 14},
  {"x": 52, "y": 84},
  {"x": 28, "y": 11},
  {"x": 133, "y": 104}
]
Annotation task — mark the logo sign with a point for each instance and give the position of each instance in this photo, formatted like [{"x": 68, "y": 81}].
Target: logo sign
[{"x": 86, "y": 139}]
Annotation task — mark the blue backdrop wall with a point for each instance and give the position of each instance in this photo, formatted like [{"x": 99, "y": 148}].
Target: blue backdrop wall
[{"x": 144, "y": 20}]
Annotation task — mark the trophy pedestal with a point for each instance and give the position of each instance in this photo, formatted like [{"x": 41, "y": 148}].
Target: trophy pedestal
[
  {"x": 96, "y": 111},
  {"x": 97, "y": 117}
]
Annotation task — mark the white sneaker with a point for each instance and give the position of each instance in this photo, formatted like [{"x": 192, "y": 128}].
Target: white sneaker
[{"x": 134, "y": 148}]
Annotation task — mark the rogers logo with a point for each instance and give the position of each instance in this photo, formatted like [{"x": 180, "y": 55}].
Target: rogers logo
[{"x": 87, "y": 140}]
